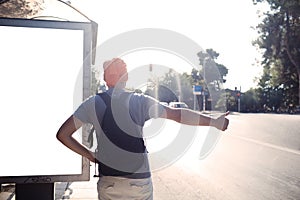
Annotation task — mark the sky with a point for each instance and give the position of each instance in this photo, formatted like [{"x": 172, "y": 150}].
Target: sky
[{"x": 224, "y": 26}]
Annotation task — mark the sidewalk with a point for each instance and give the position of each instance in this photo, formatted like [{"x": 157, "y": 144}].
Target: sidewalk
[
  {"x": 87, "y": 190},
  {"x": 77, "y": 190},
  {"x": 172, "y": 183},
  {"x": 166, "y": 186}
]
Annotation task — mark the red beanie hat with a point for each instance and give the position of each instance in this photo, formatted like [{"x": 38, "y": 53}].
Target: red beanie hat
[{"x": 115, "y": 71}]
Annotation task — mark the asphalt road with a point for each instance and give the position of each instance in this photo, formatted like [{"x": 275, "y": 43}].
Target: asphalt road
[{"x": 258, "y": 157}]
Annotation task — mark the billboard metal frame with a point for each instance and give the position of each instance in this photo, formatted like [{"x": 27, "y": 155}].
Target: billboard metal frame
[{"x": 87, "y": 61}]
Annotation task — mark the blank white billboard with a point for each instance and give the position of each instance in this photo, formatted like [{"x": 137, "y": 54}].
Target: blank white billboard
[{"x": 41, "y": 83}]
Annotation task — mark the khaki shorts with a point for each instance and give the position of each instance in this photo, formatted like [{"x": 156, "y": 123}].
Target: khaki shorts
[{"x": 111, "y": 188}]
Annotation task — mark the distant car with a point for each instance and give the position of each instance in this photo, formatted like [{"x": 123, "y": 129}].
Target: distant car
[
  {"x": 178, "y": 105},
  {"x": 164, "y": 103}
]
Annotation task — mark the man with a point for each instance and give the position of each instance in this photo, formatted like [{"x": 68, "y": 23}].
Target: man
[{"x": 118, "y": 118}]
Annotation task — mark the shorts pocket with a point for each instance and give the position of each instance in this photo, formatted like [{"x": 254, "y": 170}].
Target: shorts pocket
[
  {"x": 140, "y": 183},
  {"x": 104, "y": 184}
]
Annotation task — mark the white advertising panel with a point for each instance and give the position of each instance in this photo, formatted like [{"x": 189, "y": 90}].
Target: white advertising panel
[{"x": 41, "y": 83}]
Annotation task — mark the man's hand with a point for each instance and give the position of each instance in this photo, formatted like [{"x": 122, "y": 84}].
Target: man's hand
[{"x": 221, "y": 122}]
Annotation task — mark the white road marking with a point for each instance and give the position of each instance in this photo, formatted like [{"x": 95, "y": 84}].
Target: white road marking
[{"x": 267, "y": 144}]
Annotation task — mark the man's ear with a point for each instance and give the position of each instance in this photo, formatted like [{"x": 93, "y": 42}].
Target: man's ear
[
  {"x": 124, "y": 78},
  {"x": 104, "y": 77}
]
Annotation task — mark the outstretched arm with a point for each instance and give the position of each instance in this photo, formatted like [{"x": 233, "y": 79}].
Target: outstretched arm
[
  {"x": 190, "y": 117},
  {"x": 64, "y": 135}
]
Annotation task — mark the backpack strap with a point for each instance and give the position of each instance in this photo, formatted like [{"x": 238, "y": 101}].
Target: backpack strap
[{"x": 126, "y": 138}]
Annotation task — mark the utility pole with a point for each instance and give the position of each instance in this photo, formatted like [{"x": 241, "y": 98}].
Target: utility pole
[
  {"x": 204, "y": 101},
  {"x": 238, "y": 96},
  {"x": 239, "y": 104}
]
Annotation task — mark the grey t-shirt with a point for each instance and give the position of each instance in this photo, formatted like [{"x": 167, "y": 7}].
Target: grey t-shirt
[{"x": 140, "y": 109}]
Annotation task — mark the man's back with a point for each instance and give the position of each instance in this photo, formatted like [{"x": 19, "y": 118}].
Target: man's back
[{"x": 120, "y": 143}]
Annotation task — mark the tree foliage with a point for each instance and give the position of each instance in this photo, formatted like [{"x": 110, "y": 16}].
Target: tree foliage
[
  {"x": 211, "y": 71},
  {"x": 172, "y": 86},
  {"x": 210, "y": 77},
  {"x": 250, "y": 101},
  {"x": 280, "y": 40},
  {"x": 20, "y": 8}
]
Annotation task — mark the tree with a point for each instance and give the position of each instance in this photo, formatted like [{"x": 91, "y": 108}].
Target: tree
[
  {"x": 226, "y": 102},
  {"x": 211, "y": 77},
  {"x": 280, "y": 38},
  {"x": 172, "y": 87},
  {"x": 250, "y": 101},
  {"x": 20, "y": 8},
  {"x": 211, "y": 70}
]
